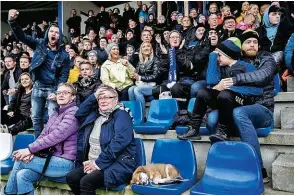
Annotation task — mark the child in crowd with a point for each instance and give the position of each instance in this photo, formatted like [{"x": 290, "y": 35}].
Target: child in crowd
[{"x": 248, "y": 22}]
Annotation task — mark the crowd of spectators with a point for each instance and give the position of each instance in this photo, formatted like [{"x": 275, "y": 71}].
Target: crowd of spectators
[{"x": 226, "y": 59}]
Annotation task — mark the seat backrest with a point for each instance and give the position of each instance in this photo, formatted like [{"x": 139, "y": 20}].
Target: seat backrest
[
  {"x": 233, "y": 164},
  {"x": 162, "y": 111},
  {"x": 277, "y": 84},
  {"x": 6, "y": 145},
  {"x": 22, "y": 141},
  {"x": 140, "y": 152},
  {"x": 136, "y": 109},
  {"x": 178, "y": 153},
  {"x": 191, "y": 104}
]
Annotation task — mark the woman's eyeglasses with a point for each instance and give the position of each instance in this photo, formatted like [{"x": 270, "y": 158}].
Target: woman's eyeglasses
[
  {"x": 63, "y": 92},
  {"x": 106, "y": 98}
]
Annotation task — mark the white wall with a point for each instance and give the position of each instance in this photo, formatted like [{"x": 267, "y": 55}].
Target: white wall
[
  {"x": 4, "y": 29},
  {"x": 133, "y": 4},
  {"x": 84, "y": 6}
]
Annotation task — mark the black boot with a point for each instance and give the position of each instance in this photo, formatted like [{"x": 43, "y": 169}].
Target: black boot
[
  {"x": 191, "y": 134},
  {"x": 265, "y": 177},
  {"x": 220, "y": 134}
]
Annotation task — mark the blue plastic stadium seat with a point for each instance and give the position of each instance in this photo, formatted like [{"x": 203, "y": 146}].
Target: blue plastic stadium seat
[
  {"x": 140, "y": 159},
  {"x": 277, "y": 84},
  {"x": 181, "y": 155},
  {"x": 160, "y": 117},
  {"x": 21, "y": 141},
  {"x": 137, "y": 111},
  {"x": 231, "y": 168}
]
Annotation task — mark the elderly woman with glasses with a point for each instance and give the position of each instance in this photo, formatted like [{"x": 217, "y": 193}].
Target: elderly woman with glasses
[
  {"x": 106, "y": 145},
  {"x": 60, "y": 133}
]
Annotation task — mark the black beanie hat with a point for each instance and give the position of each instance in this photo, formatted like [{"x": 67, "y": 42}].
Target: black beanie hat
[
  {"x": 248, "y": 34},
  {"x": 274, "y": 8}
]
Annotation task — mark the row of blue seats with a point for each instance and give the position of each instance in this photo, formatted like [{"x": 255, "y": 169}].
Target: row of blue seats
[
  {"x": 225, "y": 173},
  {"x": 161, "y": 113},
  {"x": 160, "y": 118}
]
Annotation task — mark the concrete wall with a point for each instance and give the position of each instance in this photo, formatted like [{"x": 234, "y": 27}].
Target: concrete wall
[
  {"x": 4, "y": 29},
  {"x": 83, "y": 6}
]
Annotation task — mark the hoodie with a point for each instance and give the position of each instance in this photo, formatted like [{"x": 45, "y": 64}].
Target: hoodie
[
  {"x": 271, "y": 30},
  {"x": 48, "y": 67}
]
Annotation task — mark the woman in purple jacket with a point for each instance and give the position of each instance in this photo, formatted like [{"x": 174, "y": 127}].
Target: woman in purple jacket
[{"x": 61, "y": 133}]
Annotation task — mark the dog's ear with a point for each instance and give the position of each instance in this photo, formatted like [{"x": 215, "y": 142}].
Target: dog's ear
[{"x": 136, "y": 175}]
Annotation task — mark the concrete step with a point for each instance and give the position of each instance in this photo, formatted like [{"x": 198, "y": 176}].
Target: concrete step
[
  {"x": 287, "y": 118},
  {"x": 268, "y": 190},
  {"x": 290, "y": 84},
  {"x": 282, "y": 100},
  {"x": 283, "y": 173}
]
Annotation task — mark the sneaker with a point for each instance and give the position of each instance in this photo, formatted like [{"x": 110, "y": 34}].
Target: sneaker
[
  {"x": 220, "y": 134},
  {"x": 265, "y": 177},
  {"x": 191, "y": 134}
]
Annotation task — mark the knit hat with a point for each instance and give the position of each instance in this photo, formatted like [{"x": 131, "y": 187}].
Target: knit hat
[
  {"x": 110, "y": 46},
  {"x": 274, "y": 8},
  {"x": 248, "y": 34},
  {"x": 92, "y": 52},
  {"x": 102, "y": 27},
  {"x": 230, "y": 48}
]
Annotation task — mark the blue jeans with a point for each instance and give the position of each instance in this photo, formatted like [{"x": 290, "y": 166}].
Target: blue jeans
[
  {"x": 23, "y": 175},
  {"x": 248, "y": 119},
  {"x": 139, "y": 93},
  {"x": 40, "y": 93},
  {"x": 197, "y": 86}
]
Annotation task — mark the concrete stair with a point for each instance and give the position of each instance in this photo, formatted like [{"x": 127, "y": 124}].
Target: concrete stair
[
  {"x": 283, "y": 173},
  {"x": 290, "y": 84},
  {"x": 282, "y": 101}
]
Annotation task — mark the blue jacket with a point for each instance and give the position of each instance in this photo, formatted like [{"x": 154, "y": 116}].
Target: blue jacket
[
  {"x": 215, "y": 73},
  {"x": 40, "y": 47},
  {"x": 289, "y": 56},
  {"x": 117, "y": 142}
]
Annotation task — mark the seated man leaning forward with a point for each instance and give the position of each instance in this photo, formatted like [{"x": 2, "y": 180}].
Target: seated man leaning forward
[{"x": 106, "y": 144}]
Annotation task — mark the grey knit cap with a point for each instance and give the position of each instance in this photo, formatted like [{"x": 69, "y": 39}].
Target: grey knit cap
[{"x": 110, "y": 46}]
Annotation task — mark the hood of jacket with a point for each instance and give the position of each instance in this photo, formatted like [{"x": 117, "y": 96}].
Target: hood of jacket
[{"x": 60, "y": 37}]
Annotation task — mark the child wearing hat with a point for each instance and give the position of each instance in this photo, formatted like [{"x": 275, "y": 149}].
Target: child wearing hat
[{"x": 224, "y": 63}]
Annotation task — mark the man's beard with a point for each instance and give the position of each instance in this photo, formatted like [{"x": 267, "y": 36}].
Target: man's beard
[{"x": 250, "y": 53}]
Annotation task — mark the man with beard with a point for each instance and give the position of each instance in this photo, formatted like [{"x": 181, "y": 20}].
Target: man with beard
[
  {"x": 259, "y": 115},
  {"x": 50, "y": 66}
]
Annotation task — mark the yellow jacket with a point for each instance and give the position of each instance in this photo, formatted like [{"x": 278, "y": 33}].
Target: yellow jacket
[
  {"x": 116, "y": 75},
  {"x": 73, "y": 75}
]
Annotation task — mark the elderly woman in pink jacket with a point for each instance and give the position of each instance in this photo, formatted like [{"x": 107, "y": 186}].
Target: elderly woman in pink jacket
[{"x": 60, "y": 134}]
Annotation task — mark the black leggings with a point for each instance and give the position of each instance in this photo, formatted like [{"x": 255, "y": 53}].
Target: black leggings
[{"x": 85, "y": 184}]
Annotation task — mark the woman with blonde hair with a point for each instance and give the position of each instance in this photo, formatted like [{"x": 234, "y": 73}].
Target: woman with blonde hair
[
  {"x": 254, "y": 9},
  {"x": 147, "y": 76},
  {"x": 117, "y": 72}
]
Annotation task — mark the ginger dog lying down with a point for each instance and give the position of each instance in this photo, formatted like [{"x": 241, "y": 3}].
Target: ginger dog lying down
[{"x": 157, "y": 173}]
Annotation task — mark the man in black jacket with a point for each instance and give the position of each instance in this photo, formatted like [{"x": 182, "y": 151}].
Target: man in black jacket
[
  {"x": 74, "y": 22},
  {"x": 259, "y": 115}
]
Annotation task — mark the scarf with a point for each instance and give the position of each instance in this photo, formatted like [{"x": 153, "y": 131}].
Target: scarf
[
  {"x": 271, "y": 30},
  {"x": 172, "y": 73},
  {"x": 120, "y": 106},
  {"x": 86, "y": 82}
]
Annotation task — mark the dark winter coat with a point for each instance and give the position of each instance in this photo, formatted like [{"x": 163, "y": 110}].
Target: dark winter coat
[{"x": 117, "y": 142}]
